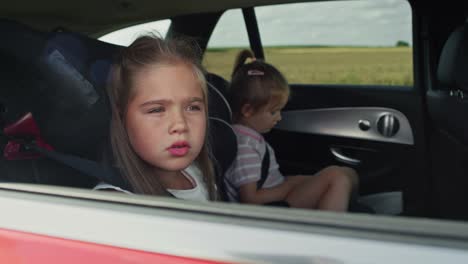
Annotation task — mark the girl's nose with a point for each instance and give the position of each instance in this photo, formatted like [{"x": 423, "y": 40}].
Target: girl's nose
[{"x": 178, "y": 123}]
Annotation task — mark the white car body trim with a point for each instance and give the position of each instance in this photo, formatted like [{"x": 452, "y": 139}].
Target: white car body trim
[{"x": 216, "y": 237}]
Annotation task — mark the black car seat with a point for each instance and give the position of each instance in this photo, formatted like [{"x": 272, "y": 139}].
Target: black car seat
[
  {"x": 218, "y": 88},
  {"x": 19, "y": 50},
  {"x": 224, "y": 142},
  {"x": 65, "y": 73},
  {"x": 448, "y": 108}
]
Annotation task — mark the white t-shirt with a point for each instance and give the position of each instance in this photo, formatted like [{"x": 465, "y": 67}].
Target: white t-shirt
[
  {"x": 199, "y": 192},
  {"x": 192, "y": 173}
]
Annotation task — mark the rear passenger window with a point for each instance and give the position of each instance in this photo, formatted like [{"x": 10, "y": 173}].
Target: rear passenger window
[
  {"x": 335, "y": 42},
  {"x": 228, "y": 38},
  {"x": 127, "y": 35}
]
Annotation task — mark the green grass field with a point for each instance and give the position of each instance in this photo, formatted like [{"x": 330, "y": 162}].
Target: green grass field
[{"x": 328, "y": 65}]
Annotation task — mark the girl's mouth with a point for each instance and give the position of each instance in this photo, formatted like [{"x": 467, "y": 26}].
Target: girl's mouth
[{"x": 179, "y": 148}]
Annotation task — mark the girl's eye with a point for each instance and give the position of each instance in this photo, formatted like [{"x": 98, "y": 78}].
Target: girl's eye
[
  {"x": 156, "y": 110},
  {"x": 194, "y": 108},
  {"x": 274, "y": 112}
]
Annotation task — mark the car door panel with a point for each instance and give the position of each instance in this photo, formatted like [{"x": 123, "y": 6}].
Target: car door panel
[
  {"x": 320, "y": 127},
  {"x": 367, "y": 123}
]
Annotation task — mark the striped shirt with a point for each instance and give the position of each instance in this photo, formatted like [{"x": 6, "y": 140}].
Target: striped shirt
[{"x": 247, "y": 165}]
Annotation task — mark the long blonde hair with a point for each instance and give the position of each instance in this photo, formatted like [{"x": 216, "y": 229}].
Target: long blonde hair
[{"x": 144, "y": 52}]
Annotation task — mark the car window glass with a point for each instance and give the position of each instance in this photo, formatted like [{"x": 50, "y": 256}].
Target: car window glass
[
  {"x": 333, "y": 42},
  {"x": 228, "y": 38},
  {"x": 342, "y": 42},
  {"x": 127, "y": 35}
]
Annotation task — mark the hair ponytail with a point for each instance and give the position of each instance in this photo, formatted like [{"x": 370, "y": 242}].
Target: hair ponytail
[
  {"x": 241, "y": 58},
  {"x": 254, "y": 82}
]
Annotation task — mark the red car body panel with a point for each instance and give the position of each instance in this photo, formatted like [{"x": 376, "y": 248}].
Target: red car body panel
[{"x": 20, "y": 247}]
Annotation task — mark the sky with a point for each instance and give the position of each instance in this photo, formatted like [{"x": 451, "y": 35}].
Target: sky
[{"x": 360, "y": 23}]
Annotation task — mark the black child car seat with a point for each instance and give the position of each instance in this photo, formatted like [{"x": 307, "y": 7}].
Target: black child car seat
[{"x": 65, "y": 74}]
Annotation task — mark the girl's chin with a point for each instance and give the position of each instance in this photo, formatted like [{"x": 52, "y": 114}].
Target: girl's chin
[{"x": 177, "y": 165}]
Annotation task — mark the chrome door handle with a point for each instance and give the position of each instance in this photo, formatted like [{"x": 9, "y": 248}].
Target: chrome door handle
[{"x": 341, "y": 157}]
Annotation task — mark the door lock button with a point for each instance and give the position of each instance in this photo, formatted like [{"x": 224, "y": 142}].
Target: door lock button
[{"x": 364, "y": 125}]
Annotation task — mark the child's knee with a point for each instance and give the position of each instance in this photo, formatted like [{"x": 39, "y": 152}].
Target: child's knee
[
  {"x": 332, "y": 171},
  {"x": 352, "y": 175},
  {"x": 342, "y": 175}
]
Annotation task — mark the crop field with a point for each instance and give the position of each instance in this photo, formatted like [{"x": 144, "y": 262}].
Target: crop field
[{"x": 328, "y": 65}]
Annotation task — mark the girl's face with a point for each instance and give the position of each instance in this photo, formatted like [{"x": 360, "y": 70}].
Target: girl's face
[
  {"x": 264, "y": 119},
  {"x": 166, "y": 116}
]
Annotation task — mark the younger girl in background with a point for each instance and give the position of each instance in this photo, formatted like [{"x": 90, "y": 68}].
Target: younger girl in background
[
  {"x": 158, "y": 133},
  {"x": 258, "y": 93}
]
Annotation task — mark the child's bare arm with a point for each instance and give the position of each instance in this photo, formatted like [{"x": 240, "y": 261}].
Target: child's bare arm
[{"x": 249, "y": 194}]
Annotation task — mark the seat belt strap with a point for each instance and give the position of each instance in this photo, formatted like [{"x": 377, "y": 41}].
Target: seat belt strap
[
  {"x": 265, "y": 168},
  {"x": 91, "y": 168}
]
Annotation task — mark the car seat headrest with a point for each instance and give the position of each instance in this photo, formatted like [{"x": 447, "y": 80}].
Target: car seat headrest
[
  {"x": 453, "y": 63},
  {"x": 73, "y": 113},
  {"x": 62, "y": 78},
  {"x": 18, "y": 46}
]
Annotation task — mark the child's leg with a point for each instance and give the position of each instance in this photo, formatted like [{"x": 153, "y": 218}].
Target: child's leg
[
  {"x": 343, "y": 181},
  {"x": 329, "y": 189}
]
